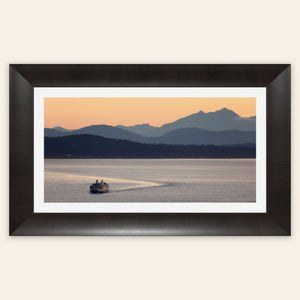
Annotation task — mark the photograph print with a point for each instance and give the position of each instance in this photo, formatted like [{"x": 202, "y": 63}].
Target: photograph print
[{"x": 150, "y": 150}]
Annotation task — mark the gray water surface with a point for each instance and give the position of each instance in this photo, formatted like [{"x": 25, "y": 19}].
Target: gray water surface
[{"x": 151, "y": 180}]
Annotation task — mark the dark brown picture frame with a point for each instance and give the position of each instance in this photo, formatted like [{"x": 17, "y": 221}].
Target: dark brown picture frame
[{"x": 24, "y": 77}]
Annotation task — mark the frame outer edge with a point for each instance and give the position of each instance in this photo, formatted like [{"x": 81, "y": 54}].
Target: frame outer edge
[
  {"x": 20, "y": 149},
  {"x": 24, "y": 222},
  {"x": 279, "y": 149}
]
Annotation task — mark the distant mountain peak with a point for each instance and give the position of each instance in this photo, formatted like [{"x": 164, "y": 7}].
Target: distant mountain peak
[
  {"x": 146, "y": 125},
  {"x": 143, "y": 125},
  {"x": 226, "y": 111},
  {"x": 223, "y": 111},
  {"x": 61, "y": 129}
]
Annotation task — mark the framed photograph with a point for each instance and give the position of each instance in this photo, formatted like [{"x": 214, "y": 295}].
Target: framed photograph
[{"x": 150, "y": 150}]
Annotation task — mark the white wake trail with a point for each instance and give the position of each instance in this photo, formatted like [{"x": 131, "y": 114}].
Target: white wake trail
[{"x": 130, "y": 184}]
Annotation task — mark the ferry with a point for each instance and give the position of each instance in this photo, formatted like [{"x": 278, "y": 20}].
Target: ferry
[{"x": 99, "y": 187}]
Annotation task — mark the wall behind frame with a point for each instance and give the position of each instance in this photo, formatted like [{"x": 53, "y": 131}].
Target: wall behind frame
[{"x": 148, "y": 32}]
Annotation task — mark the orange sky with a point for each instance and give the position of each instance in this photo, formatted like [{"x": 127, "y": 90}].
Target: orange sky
[{"x": 74, "y": 113}]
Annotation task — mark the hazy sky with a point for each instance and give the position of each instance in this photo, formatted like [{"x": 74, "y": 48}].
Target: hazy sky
[{"x": 74, "y": 113}]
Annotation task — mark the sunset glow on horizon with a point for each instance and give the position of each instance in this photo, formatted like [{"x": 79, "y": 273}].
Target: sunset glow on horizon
[{"x": 75, "y": 113}]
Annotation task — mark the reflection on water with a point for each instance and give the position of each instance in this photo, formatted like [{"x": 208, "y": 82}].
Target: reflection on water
[{"x": 151, "y": 180}]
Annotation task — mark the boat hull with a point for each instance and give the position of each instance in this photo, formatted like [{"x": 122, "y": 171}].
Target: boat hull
[{"x": 99, "y": 190}]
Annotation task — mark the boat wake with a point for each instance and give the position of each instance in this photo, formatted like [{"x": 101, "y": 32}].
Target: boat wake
[{"x": 116, "y": 184}]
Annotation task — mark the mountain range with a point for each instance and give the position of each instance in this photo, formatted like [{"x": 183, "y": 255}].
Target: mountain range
[
  {"x": 222, "y": 127},
  {"x": 219, "y": 120}
]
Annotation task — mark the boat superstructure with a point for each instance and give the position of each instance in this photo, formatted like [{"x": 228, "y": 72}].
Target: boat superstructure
[{"x": 99, "y": 187}]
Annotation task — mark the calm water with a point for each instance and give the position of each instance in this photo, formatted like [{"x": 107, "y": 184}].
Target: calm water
[{"x": 151, "y": 180}]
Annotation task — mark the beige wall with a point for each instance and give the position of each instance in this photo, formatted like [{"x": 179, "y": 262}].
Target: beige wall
[{"x": 148, "y": 32}]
